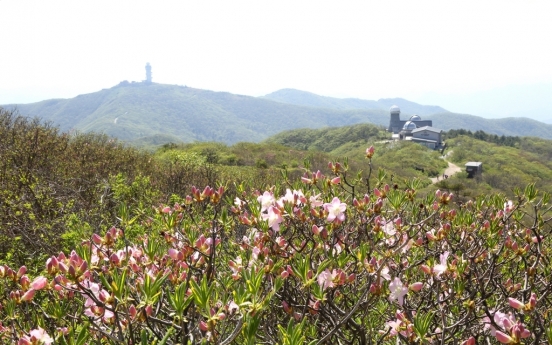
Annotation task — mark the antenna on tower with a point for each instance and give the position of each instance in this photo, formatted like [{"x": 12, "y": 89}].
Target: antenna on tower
[{"x": 148, "y": 73}]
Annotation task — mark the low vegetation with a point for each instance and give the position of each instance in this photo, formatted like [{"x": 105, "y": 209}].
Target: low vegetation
[{"x": 262, "y": 243}]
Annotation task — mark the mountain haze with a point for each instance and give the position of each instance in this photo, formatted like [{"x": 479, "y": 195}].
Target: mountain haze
[
  {"x": 442, "y": 119},
  {"x": 511, "y": 126},
  {"x": 305, "y": 98}
]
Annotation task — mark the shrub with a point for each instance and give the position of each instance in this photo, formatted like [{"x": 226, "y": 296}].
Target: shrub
[{"x": 331, "y": 259}]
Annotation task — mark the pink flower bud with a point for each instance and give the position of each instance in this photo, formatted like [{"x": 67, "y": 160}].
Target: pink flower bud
[
  {"x": 426, "y": 269},
  {"x": 400, "y": 315},
  {"x": 532, "y": 302},
  {"x": 398, "y": 222},
  {"x": 39, "y": 283},
  {"x": 27, "y": 296},
  {"x": 173, "y": 253},
  {"x": 281, "y": 241},
  {"x": 536, "y": 239},
  {"x": 336, "y": 180},
  {"x": 24, "y": 281},
  {"x": 452, "y": 213},
  {"x": 132, "y": 311},
  {"x": 470, "y": 341},
  {"x": 24, "y": 341},
  {"x": 507, "y": 323},
  {"x": 315, "y": 229},
  {"x": 370, "y": 152},
  {"x": 514, "y": 303},
  {"x": 22, "y": 270},
  {"x": 373, "y": 289},
  {"x": 96, "y": 239},
  {"x": 416, "y": 286},
  {"x": 286, "y": 307},
  {"x": 430, "y": 236},
  {"x": 114, "y": 258}
]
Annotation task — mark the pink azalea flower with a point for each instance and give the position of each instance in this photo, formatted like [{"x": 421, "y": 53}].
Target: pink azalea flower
[
  {"x": 41, "y": 335},
  {"x": 325, "y": 279},
  {"x": 239, "y": 203},
  {"x": 501, "y": 319},
  {"x": 335, "y": 210},
  {"x": 274, "y": 218},
  {"x": 295, "y": 198},
  {"x": 442, "y": 267},
  {"x": 395, "y": 327},
  {"x": 315, "y": 201},
  {"x": 508, "y": 206},
  {"x": 266, "y": 200},
  {"x": 398, "y": 291},
  {"x": 398, "y": 326}
]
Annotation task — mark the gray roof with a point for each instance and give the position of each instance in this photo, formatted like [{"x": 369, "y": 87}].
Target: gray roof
[
  {"x": 473, "y": 164},
  {"x": 427, "y": 128},
  {"x": 423, "y": 140}
]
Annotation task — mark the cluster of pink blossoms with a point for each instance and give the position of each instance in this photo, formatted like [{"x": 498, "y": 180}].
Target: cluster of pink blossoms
[{"x": 272, "y": 209}]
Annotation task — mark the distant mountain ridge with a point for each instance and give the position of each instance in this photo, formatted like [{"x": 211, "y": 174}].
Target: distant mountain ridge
[
  {"x": 159, "y": 113},
  {"x": 298, "y": 97},
  {"x": 137, "y": 111}
]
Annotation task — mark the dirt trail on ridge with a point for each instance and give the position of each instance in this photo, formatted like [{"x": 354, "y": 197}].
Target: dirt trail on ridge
[{"x": 451, "y": 170}]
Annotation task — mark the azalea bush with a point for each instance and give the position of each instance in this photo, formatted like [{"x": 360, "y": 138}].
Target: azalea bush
[{"x": 322, "y": 260}]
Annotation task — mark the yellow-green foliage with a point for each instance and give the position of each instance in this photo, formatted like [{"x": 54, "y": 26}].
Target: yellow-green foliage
[
  {"x": 504, "y": 168},
  {"x": 407, "y": 159}
]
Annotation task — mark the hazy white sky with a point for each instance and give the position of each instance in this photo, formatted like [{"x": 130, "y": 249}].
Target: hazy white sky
[{"x": 417, "y": 50}]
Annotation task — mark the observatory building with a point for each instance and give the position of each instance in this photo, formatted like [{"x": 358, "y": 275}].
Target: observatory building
[
  {"x": 415, "y": 129},
  {"x": 396, "y": 124}
]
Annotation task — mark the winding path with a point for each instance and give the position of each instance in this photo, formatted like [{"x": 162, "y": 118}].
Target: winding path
[{"x": 451, "y": 170}]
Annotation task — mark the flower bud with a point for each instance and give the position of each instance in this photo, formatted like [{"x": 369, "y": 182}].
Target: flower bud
[
  {"x": 370, "y": 152},
  {"x": 514, "y": 303},
  {"x": 416, "y": 286},
  {"x": 27, "y": 296}
]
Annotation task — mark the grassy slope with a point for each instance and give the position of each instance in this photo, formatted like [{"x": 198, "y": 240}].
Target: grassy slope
[{"x": 505, "y": 168}]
